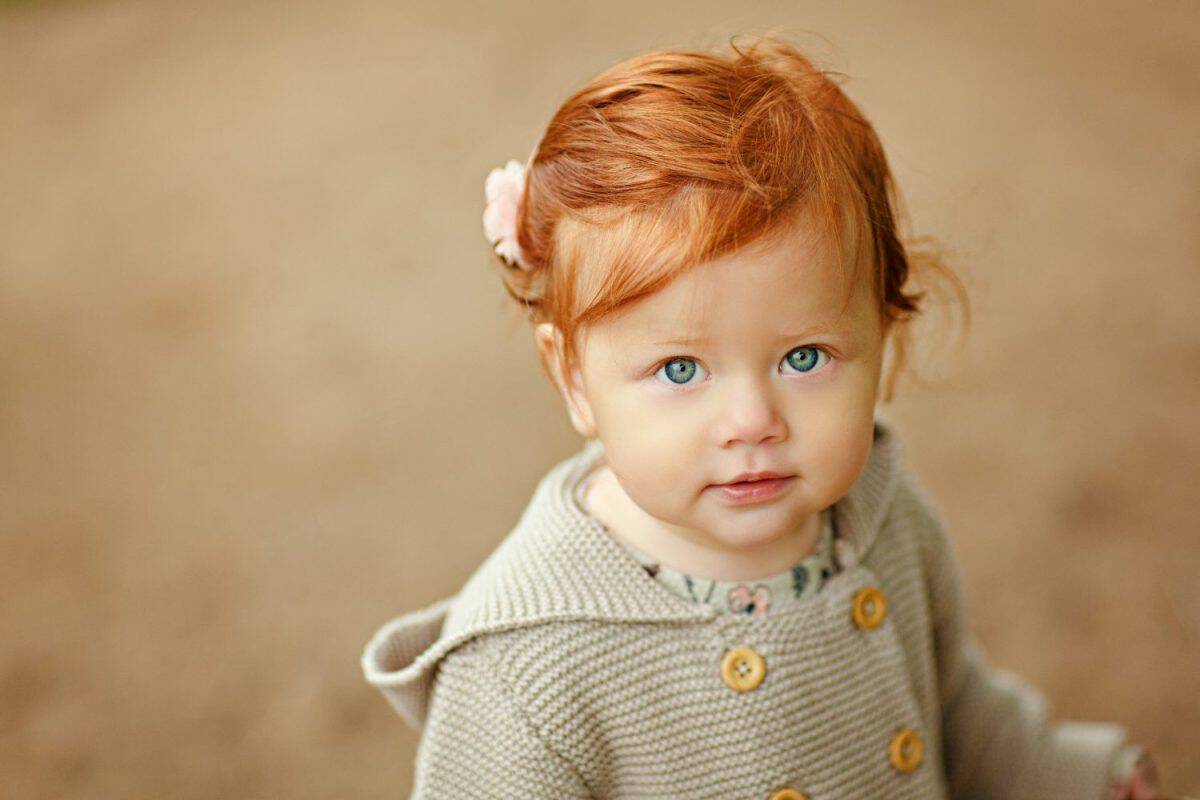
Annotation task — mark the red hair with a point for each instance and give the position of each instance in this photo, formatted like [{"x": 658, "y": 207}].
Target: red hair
[{"x": 670, "y": 159}]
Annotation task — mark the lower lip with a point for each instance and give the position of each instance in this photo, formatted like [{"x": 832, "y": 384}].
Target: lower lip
[{"x": 752, "y": 491}]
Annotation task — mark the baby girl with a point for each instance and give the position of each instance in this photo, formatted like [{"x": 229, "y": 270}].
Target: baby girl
[{"x": 735, "y": 587}]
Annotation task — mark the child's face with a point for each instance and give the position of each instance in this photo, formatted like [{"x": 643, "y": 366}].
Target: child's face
[{"x": 782, "y": 381}]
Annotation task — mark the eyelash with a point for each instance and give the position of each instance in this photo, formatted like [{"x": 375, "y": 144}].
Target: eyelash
[{"x": 830, "y": 356}]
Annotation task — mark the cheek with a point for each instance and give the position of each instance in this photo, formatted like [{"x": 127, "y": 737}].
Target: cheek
[
  {"x": 670, "y": 451},
  {"x": 653, "y": 479},
  {"x": 835, "y": 446},
  {"x": 657, "y": 463},
  {"x": 655, "y": 457},
  {"x": 656, "y": 424}
]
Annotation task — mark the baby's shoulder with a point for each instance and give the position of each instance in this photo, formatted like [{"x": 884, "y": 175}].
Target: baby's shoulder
[
  {"x": 911, "y": 551},
  {"x": 554, "y": 676},
  {"x": 534, "y": 659},
  {"x": 913, "y": 515}
]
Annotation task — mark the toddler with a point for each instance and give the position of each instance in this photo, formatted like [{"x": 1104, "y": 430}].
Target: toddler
[{"x": 734, "y": 588}]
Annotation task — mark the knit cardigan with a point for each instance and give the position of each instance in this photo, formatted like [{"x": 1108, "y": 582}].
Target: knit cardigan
[{"x": 561, "y": 669}]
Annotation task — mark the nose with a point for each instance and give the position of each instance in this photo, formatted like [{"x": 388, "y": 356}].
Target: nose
[{"x": 749, "y": 414}]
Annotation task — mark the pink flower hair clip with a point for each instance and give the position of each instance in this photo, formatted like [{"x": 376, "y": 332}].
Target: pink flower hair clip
[{"x": 504, "y": 189}]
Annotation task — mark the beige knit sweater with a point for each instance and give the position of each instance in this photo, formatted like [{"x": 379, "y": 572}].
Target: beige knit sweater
[{"x": 561, "y": 669}]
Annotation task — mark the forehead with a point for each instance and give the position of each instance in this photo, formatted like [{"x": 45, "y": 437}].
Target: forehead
[{"x": 789, "y": 282}]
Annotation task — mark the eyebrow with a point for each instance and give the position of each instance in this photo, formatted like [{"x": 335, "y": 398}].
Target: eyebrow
[{"x": 817, "y": 331}]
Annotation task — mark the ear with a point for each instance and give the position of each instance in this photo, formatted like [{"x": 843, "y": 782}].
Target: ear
[{"x": 550, "y": 342}]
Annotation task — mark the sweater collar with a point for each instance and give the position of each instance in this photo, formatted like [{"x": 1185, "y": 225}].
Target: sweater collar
[{"x": 561, "y": 563}]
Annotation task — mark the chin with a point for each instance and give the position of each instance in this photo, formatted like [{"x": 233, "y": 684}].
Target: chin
[{"x": 752, "y": 535}]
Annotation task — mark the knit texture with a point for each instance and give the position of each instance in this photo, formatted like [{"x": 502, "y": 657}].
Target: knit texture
[{"x": 561, "y": 669}]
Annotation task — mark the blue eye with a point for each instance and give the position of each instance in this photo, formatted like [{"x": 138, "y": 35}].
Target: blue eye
[
  {"x": 806, "y": 359},
  {"x": 679, "y": 371}
]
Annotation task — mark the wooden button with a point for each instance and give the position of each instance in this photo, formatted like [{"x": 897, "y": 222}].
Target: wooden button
[
  {"x": 906, "y": 750},
  {"x": 787, "y": 793},
  {"x": 870, "y": 607},
  {"x": 743, "y": 669}
]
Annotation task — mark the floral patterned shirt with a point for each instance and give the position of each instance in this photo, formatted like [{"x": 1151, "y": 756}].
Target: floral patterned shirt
[{"x": 757, "y": 596}]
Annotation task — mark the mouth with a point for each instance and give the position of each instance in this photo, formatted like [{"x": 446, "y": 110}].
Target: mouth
[
  {"x": 755, "y": 490},
  {"x": 753, "y": 477}
]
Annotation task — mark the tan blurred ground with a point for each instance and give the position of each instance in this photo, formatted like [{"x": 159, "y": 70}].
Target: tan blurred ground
[{"x": 259, "y": 391}]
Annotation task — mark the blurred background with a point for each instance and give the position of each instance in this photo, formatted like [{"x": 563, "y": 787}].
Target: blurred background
[{"x": 260, "y": 389}]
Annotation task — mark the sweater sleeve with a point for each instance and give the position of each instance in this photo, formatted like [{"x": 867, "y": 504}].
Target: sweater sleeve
[
  {"x": 999, "y": 740},
  {"x": 477, "y": 742}
]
